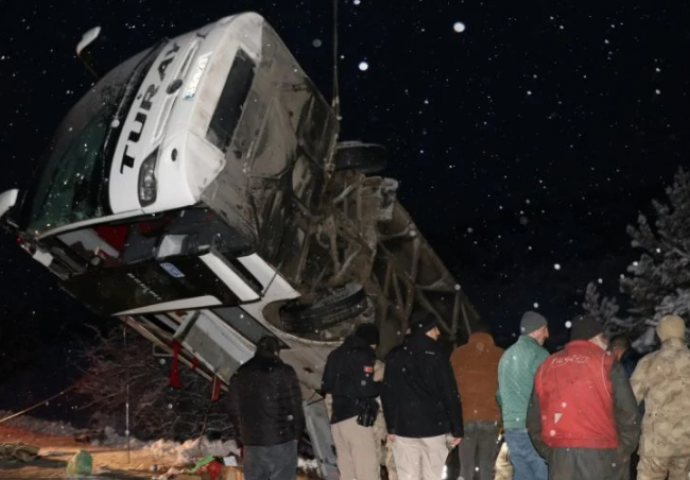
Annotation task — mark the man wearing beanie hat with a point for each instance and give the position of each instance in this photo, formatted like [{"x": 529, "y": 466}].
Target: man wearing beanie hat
[
  {"x": 516, "y": 371},
  {"x": 421, "y": 403},
  {"x": 348, "y": 382},
  {"x": 662, "y": 381},
  {"x": 583, "y": 416}
]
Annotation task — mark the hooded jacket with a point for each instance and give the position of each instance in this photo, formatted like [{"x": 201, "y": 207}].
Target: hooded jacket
[
  {"x": 420, "y": 397},
  {"x": 475, "y": 366},
  {"x": 265, "y": 402},
  {"x": 662, "y": 381},
  {"x": 349, "y": 378}
]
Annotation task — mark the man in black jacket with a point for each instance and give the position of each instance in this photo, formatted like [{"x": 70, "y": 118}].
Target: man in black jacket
[
  {"x": 421, "y": 402},
  {"x": 265, "y": 405},
  {"x": 348, "y": 379}
]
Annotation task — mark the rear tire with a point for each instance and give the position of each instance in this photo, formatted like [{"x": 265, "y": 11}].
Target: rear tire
[
  {"x": 345, "y": 303},
  {"x": 365, "y": 157}
]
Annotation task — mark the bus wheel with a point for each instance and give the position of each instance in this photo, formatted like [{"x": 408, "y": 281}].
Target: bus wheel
[
  {"x": 365, "y": 157},
  {"x": 343, "y": 304}
]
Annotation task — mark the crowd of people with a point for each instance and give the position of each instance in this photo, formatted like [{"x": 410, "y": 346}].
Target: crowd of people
[{"x": 589, "y": 411}]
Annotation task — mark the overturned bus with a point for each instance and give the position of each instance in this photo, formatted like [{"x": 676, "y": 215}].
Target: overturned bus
[{"x": 199, "y": 193}]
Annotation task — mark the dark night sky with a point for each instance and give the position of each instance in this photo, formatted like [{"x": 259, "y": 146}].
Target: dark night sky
[{"x": 528, "y": 140}]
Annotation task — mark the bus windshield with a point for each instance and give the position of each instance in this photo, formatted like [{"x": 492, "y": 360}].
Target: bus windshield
[{"x": 71, "y": 185}]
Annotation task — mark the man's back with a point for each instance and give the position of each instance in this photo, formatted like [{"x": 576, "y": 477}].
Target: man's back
[
  {"x": 572, "y": 381},
  {"x": 349, "y": 378},
  {"x": 516, "y": 379},
  {"x": 420, "y": 397},
  {"x": 475, "y": 366},
  {"x": 662, "y": 381},
  {"x": 265, "y": 402}
]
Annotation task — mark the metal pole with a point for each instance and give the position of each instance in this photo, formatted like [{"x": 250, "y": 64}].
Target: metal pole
[{"x": 124, "y": 336}]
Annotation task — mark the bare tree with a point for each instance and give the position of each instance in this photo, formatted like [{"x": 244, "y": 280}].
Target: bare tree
[{"x": 156, "y": 409}]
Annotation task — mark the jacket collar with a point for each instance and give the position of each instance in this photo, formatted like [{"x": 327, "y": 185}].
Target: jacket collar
[
  {"x": 353, "y": 341},
  {"x": 584, "y": 345},
  {"x": 267, "y": 355},
  {"x": 481, "y": 337},
  {"x": 529, "y": 340},
  {"x": 674, "y": 343},
  {"x": 422, "y": 339}
]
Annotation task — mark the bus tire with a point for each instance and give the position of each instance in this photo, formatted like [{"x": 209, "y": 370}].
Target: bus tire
[
  {"x": 365, "y": 157},
  {"x": 343, "y": 304}
]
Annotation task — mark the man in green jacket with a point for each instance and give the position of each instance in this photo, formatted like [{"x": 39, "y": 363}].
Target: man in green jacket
[{"x": 515, "y": 383}]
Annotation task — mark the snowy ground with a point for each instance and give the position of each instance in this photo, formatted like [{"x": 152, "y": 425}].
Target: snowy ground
[{"x": 111, "y": 458}]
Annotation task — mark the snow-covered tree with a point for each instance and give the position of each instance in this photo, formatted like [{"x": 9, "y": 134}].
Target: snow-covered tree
[
  {"x": 606, "y": 311},
  {"x": 659, "y": 283}
]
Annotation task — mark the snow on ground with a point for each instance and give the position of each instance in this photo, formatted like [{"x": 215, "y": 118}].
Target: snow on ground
[{"x": 55, "y": 436}]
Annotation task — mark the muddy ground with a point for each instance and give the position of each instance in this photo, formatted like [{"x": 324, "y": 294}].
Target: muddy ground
[{"x": 108, "y": 462}]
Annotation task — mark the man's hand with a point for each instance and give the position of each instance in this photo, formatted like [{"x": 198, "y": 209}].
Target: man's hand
[
  {"x": 455, "y": 441},
  {"x": 391, "y": 438}
]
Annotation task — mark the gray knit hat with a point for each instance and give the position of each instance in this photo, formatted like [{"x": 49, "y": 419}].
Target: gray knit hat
[{"x": 531, "y": 322}]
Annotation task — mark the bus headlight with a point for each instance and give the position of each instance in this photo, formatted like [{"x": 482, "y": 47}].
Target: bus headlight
[{"x": 148, "y": 186}]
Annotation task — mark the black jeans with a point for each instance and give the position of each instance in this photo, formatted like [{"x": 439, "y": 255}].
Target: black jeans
[
  {"x": 478, "y": 450},
  {"x": 277, "y": 462}
]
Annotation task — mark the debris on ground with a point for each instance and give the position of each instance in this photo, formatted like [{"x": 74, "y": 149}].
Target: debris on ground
[
  {"x": 192, "y": 450},
  {"x": 12, "y": 452},
  {"x": 80, "y": 464}
]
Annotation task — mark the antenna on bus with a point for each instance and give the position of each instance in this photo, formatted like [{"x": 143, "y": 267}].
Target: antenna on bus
[
  {"x": 336, "y": 87},
  {"x": 86, "y": 40}
]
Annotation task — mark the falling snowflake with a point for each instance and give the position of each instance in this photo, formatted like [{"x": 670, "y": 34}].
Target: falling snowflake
[
  {"x": 536, "y": 305},
  {"x": 363, "y": 66},
  {"x": 317, "y": 42},
  {"x": 357, "y": 2},
  {"x": 459, "y": 27},
  {"x": 568, "y": 324},
  {"x": 657, "y": 91},
  {"x": 557, "y": 266}
]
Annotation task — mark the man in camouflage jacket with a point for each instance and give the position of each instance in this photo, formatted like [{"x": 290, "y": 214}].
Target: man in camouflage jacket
[{"x": 662, "y": 381}]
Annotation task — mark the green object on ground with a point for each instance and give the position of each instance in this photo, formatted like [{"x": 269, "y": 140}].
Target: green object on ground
[
  {"x": 80, "y": 464},
  {"x": 202, "y": 462}
]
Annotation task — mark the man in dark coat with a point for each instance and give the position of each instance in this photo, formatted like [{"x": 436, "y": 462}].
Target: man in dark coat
[
  {"x": 348, "y": 379},
  {"x": 583, "y": 416},
  {"x": 265, "y": 406},
  {"x": 621, "y": 348},
  {"x": 421, "y": 402}
]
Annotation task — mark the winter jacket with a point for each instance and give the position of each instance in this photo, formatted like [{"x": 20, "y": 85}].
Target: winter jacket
[
  {"x": 349, "y": 378},
  {"x": 662, "y": 381},
  {"x": 475, "y": 366},
  {"x": 516, "y": 379},
  {"x": 420, "y": 397},
  {"x": 265, "y": 402},
  {"x": 583, "y": 418}
]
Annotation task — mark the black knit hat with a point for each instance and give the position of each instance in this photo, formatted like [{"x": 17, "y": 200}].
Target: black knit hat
[
  {"x": 422, "y": 321},
  {"x": 585, "y": 328},
  {"x": 369, "y": 333}
]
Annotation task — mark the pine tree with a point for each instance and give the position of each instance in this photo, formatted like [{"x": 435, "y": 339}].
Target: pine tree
[
  {"x": 606, "y": 311},
  {"x": 659, "y": 283}
]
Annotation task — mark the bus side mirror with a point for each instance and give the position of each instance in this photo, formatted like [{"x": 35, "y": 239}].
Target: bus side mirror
[
  {"x": 8, "y": 199},
  {"x": 87, "y": 39},
  {"x": 83, "y": 54}
]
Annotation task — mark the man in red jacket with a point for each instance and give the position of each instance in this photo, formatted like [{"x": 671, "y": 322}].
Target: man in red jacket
[{"x": 583, "y": 417}]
